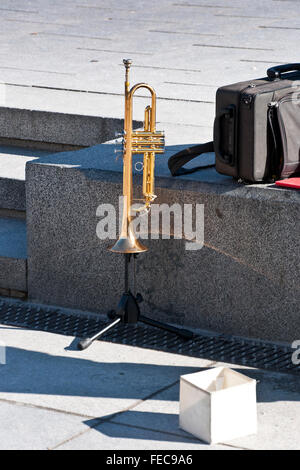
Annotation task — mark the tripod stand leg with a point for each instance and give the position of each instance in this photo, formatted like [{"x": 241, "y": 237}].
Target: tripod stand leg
[
  {"x": 85, "y": 343},
  {"x": 185, "y": 334}
]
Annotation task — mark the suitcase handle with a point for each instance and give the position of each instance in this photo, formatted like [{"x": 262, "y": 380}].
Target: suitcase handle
[
  {"x": 274, "y": 73},
  {"x": 227, "y": 113}
]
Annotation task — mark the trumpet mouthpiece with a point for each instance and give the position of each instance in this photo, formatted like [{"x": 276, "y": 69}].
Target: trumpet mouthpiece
[{"x": 127, "y": 63}]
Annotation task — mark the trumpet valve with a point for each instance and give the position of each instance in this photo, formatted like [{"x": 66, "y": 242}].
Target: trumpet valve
[{"x": 144, "y": 141}]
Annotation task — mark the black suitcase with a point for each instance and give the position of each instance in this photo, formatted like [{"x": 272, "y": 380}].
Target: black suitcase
[{"x": 256, "y": 129}]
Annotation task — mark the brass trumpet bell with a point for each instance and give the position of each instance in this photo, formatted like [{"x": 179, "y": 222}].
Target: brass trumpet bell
[{"x": 128, "y": 244}]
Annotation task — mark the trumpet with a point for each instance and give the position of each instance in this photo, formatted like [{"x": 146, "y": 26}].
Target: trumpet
[{"x": 148, "y": 142}]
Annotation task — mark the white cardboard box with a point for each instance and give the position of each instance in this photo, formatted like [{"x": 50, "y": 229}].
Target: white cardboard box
[{"x": 218, "y": 404}]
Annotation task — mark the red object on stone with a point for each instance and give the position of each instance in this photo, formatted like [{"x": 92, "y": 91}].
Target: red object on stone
[{"x": 289, "y": 183}]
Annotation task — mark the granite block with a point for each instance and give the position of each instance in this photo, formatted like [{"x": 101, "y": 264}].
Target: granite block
[
  {"x": 13, "y": 263},
  {"x": 244, "y": 281},
  {"x": 58, "y": 128}
]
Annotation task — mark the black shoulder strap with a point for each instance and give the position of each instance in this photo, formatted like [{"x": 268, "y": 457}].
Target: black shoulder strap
[{"x": 179, "y": 159}]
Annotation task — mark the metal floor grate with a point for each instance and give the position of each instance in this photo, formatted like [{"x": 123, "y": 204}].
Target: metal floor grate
[{"x": 218, "y": 348}]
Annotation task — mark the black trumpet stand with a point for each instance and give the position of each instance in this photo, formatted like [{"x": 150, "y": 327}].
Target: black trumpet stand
[{"x": 128, "y": 311}]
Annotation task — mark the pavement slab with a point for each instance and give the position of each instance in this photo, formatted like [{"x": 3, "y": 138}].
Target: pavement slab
[
  {"x": 30, "y": 428},
  {"x": 186, "y": 50},
  {"x": 114, "y": 397},
  {"x": 103, "y": 380},
  {"x": 111, "y": 436}
]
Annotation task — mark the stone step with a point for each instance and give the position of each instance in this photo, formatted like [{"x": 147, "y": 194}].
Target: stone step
[
  {"x": 27, "y": 134},
  {"x": 13, "y": 253},
  {"x": 13, "y": 160},
  {"x": 244, "y": 281}
]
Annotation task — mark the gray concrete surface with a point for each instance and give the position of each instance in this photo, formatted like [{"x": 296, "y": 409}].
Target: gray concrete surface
[
  {"x": 67, "y": 56},
  {"x": 13, "y": 160},
  {"x": 12, "y": 175},
  {"x": 118, "y": 397},
  {"x": 12, "y": 192},
  {"x": 52, "y": 127},
  {"x": 13, "y": 238},
  {"x": 13, "y": 254},
  {"x": 241, "y": 282}
]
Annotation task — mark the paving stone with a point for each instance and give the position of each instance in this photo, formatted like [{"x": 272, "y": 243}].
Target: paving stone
[
  {"x": 114, "y": 437},
  {"x": 51, "y": 396},
  {"x": 45, "y": 370},
  {"x": 184, "y": 50},
  {"x": 30, "y": 428}
]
